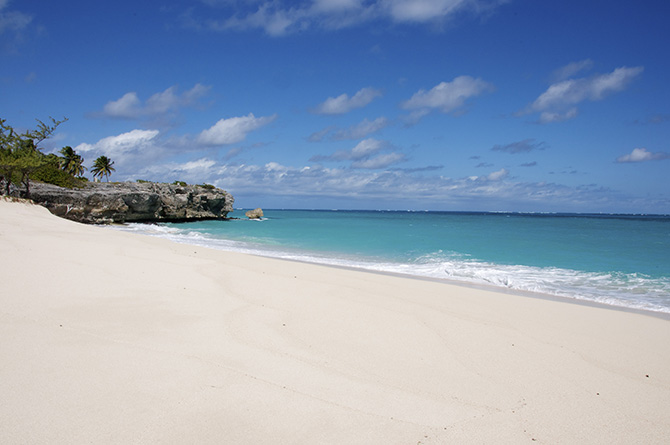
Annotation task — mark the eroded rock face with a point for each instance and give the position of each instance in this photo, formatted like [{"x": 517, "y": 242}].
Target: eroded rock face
[{"x": 105, "y": 203}]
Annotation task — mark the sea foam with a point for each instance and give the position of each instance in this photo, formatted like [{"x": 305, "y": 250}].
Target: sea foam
[{"x": 628, "y": 290}]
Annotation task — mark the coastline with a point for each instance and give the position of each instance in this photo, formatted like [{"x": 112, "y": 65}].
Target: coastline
[
  {"x": 115, "y": 337},
  {"x": 483, "y": 287},
  {"x": 477, "y": 286},
  {"x": 634, "y": 274}
]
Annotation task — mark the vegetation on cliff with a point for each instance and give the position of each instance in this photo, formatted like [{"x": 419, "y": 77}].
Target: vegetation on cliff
[
  {"x": 59, "y": 185},
  {"x": 22, "y": 160}
]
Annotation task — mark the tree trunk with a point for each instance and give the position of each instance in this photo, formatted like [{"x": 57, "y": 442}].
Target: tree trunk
[{"x": 26, "y": 181}]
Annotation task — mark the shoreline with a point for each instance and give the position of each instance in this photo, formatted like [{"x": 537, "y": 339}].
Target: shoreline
[
  {"x": 480, "y": 286},
  {"x": 123, "y": 338},
  {"x": 665, "y": 315}
]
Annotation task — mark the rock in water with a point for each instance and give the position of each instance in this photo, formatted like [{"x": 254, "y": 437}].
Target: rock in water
[
  {"x": 119, "y": 202},
  {"x": 254, "y": 214}
]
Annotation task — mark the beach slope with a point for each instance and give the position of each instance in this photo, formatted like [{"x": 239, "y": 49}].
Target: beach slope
[{"x": 111, "y": 337}]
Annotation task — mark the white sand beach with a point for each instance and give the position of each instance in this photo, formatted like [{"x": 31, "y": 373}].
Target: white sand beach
[{"x": 112, "y": 337}]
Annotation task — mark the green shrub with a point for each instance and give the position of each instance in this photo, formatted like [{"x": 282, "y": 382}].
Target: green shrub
[
  {"x": 180, "y": 183},
  {"x": 51, "y": 173}
]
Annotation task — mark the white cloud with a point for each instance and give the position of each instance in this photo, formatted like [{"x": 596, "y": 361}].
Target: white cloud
[
  {"x": 344, "y": 104},
  {"x": 447, "y": 96},
  {"x": 641, "y": 155},
  {"x": 129, "y": 106},
  {"x": 420, "y": 10},
  {"x": 232, "y": 130},
  {"x": 200, "y": 164},
  {"x": 163, "y": 102},
  {"x": 281, "y": 17},
  {"x": 364, "y": 155},
  {"x": 123, "y": 146},
  {"x": 498, "y": 175},
  {"x": 567, "y": 93}
]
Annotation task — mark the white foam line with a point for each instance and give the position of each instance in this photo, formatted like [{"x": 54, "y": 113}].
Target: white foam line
[{"x": 632, "y": 291}]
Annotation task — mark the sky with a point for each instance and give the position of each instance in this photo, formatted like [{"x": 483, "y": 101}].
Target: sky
[{"x": 463, "y": 105}]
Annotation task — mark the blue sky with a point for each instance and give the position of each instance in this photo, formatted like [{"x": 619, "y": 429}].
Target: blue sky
[{"x": 492, "y": 105}]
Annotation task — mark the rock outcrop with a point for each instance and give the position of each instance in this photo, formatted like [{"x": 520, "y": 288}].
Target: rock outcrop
[
  {"x": 105, "y": 203},
  {"x": 254, "y": 214}
]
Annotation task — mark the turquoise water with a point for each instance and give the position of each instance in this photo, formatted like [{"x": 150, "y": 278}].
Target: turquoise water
[{"x": 622, "y": 260}]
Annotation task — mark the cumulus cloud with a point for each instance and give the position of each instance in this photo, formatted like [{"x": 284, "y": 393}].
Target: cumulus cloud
[
  {"x": 148, "y": 147},
  {"x": 498, "y": 175},
  {"x": 642, "y": 155},
  {"x": 121, "y": 143},
  {"x": 123, "y": 146},
  {"x": 447, "y": 96},
  {"x": 573, "y": 91},
  {"x": 281, "y": 17},
  {"x": 232, "y": 130},
  {"x": 129, "y": 106},
  {"x": 524, "y": 146},
  {"x": 558, "y": 102},
  {"x": 364, "y": 155},
  {"x": 344, "y": 104}
]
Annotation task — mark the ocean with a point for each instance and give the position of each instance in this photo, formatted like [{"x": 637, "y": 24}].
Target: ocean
[{"x": 619, "y": 260}]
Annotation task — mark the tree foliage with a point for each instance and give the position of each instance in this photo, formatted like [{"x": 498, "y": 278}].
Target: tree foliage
[
  {"x": 103, "y": 166},
  {"x": 71, "y": 162},
  {"x": 52, "y": 173},
  {"x": 20, "y": 155}
]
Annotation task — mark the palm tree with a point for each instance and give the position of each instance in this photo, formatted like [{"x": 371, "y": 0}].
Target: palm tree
[
  {"x": 102, "y": 167},
  {"x": 71, "y": 162}
]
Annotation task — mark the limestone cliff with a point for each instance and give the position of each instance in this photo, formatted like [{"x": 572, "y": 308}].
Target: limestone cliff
[{"x": 104, "y": 203}]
